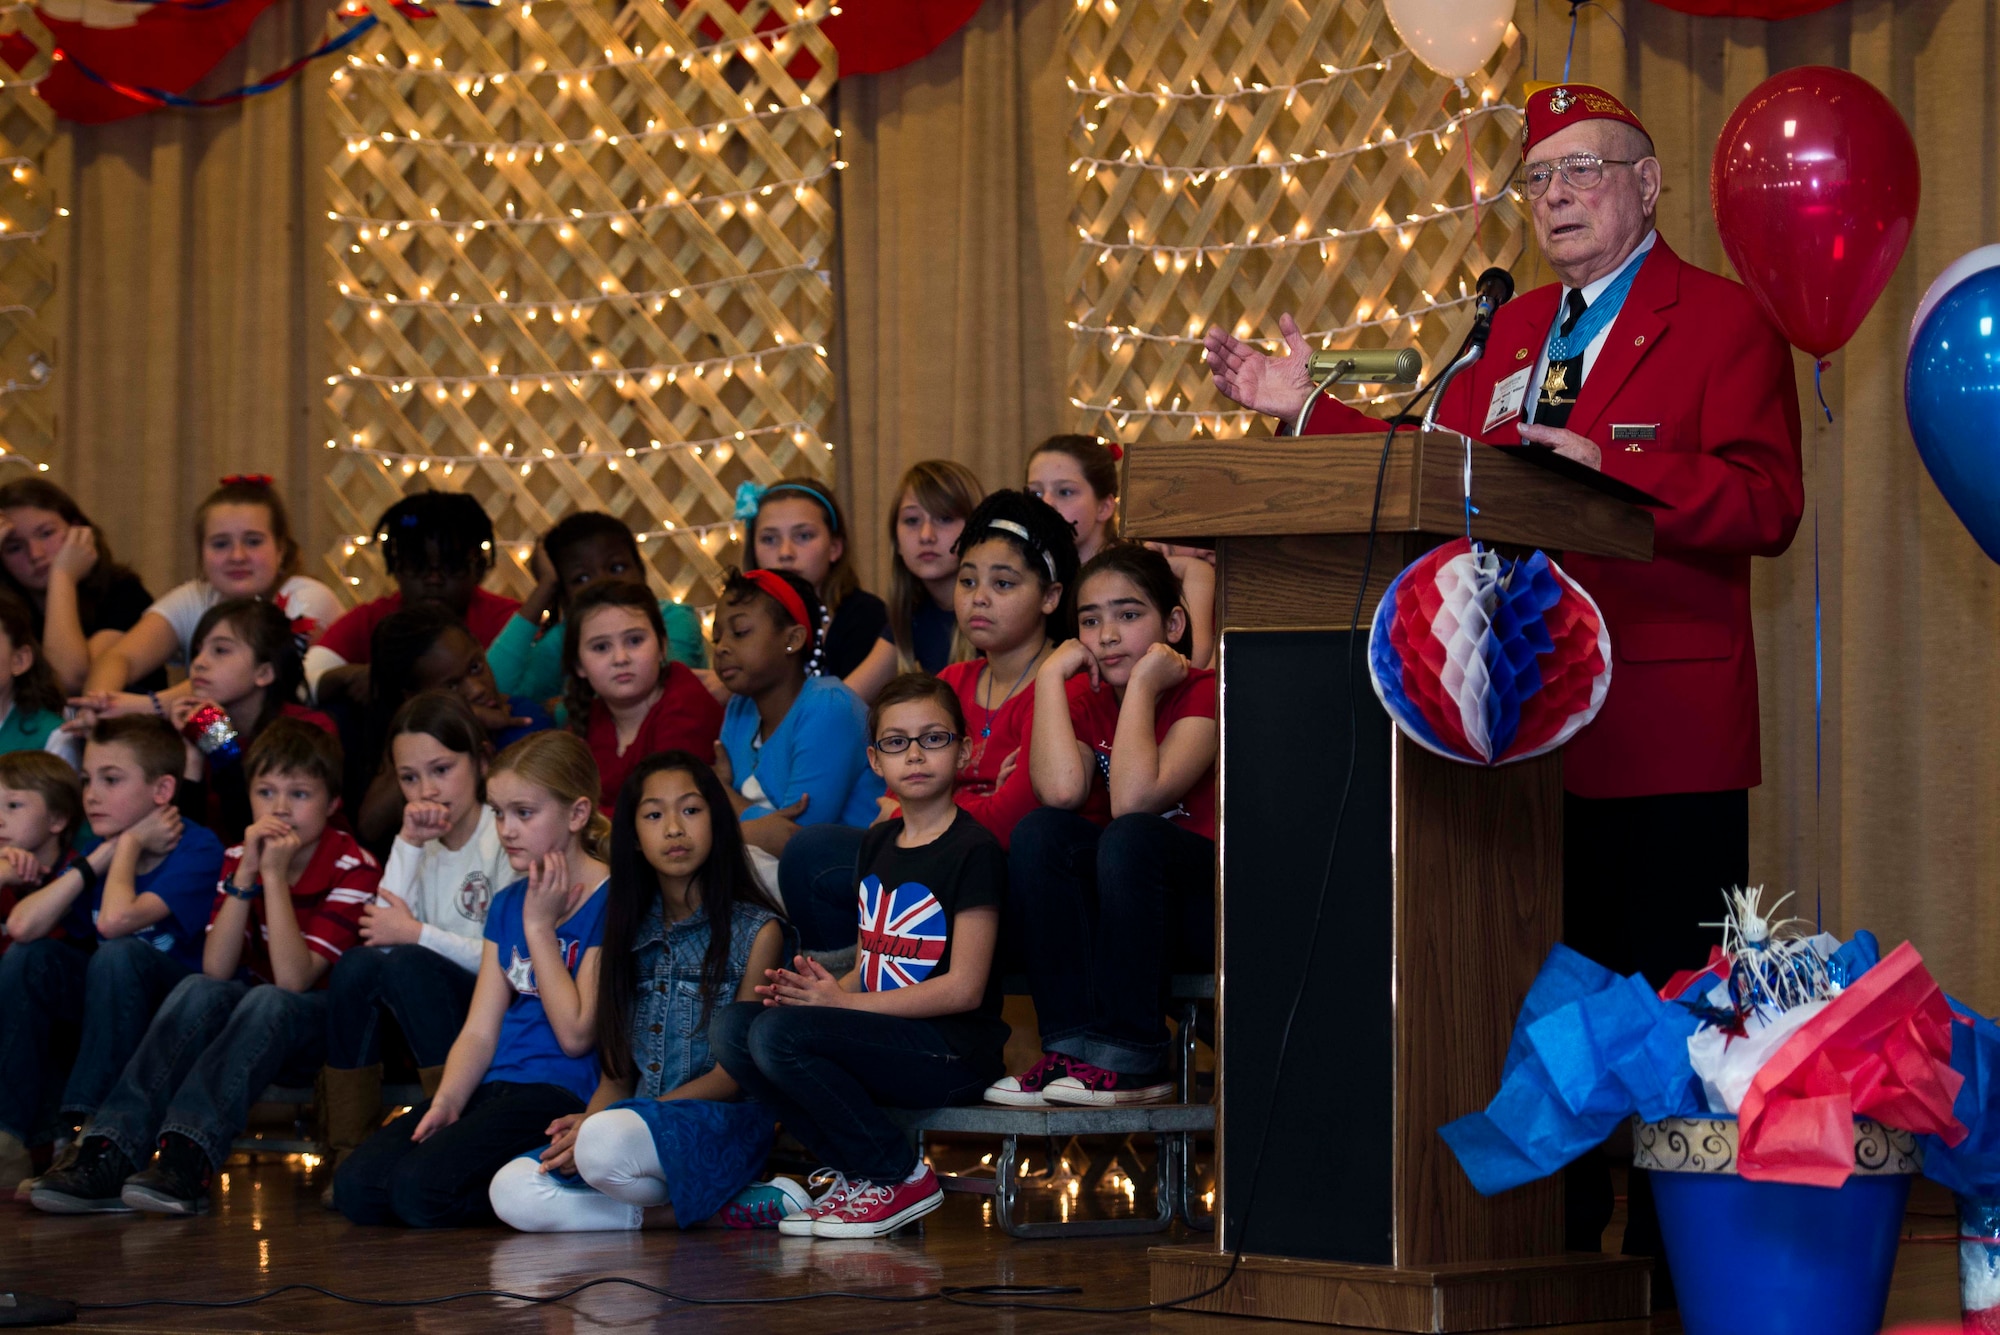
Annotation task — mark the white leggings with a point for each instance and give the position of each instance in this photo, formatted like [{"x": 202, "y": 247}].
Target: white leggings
[{"x": 621, "y": 1176}]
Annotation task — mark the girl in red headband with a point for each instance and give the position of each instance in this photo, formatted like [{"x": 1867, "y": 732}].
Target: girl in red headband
[
  {"x": 794, "y": 744},
  {"x": 796, "y": 525}
]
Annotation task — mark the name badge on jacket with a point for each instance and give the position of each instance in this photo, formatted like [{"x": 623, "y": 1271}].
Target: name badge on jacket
[
  {"x": 1508, "y": 396},
  {"x": 1631, "y": 433}
]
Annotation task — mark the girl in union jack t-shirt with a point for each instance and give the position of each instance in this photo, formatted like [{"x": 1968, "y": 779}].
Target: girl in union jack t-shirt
[{"x": 916, "y": 1023}]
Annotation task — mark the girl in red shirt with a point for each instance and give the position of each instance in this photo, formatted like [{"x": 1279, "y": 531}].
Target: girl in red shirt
[
  {"x": 1113, "y": 880},
  {"x": 1017, "y": 566},
  {"x": 627, "y": 696}
]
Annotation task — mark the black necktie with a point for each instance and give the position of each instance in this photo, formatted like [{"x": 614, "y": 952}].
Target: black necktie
[{"x": 1562, "y": 380}]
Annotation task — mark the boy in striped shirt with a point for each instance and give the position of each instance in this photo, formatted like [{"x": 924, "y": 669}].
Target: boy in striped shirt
[{"x": 289, "y": 905}]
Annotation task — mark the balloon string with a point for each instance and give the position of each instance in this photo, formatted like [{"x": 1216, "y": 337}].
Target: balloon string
[
  {"x": 1444, "y": 104},
  {"x": 1575, "y": 8},
  {"x": 1819, "y": 718},
  {"x": 1820, "y": 389}
]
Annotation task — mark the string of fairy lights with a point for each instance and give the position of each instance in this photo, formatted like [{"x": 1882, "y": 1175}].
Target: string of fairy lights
[
  {"x": 762, "y": 157},
  {"x": 1138, "y": 127},
  {"x": 24, "y": 170}
]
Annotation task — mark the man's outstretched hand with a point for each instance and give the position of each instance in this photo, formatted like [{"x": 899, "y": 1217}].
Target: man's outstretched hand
[{"x": 1275, "y": 386}]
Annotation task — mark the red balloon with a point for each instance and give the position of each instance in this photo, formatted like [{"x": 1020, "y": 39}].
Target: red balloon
[{"x": 1815, "y": 187}]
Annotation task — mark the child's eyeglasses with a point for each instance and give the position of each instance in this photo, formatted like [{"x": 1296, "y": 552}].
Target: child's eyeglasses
[{"x": 895, "y": 743}]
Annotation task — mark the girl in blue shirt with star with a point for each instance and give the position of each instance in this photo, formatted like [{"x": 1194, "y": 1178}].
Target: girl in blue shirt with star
[{"x": 527, "y": 1055}]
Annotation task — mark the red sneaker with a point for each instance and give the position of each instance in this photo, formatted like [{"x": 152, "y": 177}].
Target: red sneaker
[
  {"x": 1025, "y": 1090},
  {"x": 800, "y": 1224},
  {"x": 1095, "y": 1087},
  {"x": 872, "y": 1210}
]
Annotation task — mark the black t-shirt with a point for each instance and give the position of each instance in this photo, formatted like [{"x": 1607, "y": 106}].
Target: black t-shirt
[
  {"x": 909, "y": 898},
  {"x": 118, "y": 606},
  {"x": 931, "y": 631},
  {"x": 851, "y": 637}
]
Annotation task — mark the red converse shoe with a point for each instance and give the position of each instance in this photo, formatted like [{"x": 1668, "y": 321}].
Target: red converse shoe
[
  {"x": 1025, "y": 1090},
  {"x": 872, "y": 1210},
  {"x": 1095, "y": 1087},
  {"x": 800, "y": 1225}
]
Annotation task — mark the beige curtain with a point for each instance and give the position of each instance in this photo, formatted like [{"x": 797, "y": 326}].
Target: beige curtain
[
  {"x": 954, "y": 219},
  {"x": 190, "y": 300}
]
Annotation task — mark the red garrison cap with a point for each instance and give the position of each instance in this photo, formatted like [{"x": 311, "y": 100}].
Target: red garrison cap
[{"x": 1557, "y": 106}]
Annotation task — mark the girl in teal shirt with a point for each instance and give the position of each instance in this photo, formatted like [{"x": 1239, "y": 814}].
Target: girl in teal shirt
[{"x": 580, "y": 551}]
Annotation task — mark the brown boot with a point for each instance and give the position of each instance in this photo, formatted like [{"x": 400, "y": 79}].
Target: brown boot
[
  {"x": 16, "y": 1164},
  {"x": 430, "y": 1077},
  {"x": 351, "y": 1106}
]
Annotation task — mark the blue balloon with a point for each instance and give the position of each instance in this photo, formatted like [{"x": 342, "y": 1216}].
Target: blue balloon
[{"x": 1951, "y": 393}]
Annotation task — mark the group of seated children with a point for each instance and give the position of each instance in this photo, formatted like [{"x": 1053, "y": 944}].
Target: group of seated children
[{"x": 628, "y": 898}]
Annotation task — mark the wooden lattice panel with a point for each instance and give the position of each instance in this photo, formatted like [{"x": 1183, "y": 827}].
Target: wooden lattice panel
[
  {"x": 1237, "y": 159},
  {"x": 579, "y": 260},
  {"x": 28, "y": 209}
]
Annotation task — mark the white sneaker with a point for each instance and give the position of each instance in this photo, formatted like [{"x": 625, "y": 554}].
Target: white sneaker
[
  {"x": 1027, "y": 1089},
  {"x": 1094, "y": 1087},
  {"x": 800, "y": 1225}
]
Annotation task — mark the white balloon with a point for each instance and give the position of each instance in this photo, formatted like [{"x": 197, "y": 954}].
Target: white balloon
[
  {"x": 1453, "y": 37},
  {"x": 1960, "y": 269}
]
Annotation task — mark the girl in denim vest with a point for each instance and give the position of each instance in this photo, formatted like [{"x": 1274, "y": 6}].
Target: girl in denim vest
[{"x": 667, "y": 1137}]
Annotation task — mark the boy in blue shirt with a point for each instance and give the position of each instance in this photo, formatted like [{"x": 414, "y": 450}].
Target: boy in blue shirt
[{"x": 147, "y": 888}]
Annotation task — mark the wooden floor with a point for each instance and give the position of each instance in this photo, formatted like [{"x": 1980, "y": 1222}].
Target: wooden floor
[{"x": 267, "y": 1229}]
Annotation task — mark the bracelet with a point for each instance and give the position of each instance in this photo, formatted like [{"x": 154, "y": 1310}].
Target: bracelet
[
  {"x": 88, "y": 875},
  {"x": 154, "y": 696},
  {"x": 256, "y": 889}
]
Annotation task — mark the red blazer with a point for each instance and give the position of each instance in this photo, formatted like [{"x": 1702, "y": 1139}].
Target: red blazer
[{"x": 1693, "y": 356}]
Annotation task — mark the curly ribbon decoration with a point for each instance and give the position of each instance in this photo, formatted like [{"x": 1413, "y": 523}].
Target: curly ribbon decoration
[{"x": 749, "y": 497}]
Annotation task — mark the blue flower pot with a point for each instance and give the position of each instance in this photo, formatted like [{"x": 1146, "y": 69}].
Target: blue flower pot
[{"x": 1773, "y": 1257}]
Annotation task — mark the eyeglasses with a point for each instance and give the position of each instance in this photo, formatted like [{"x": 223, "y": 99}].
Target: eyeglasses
[
  {"x": 895, "y": 743},
  {"x": 1580, "y": 171}
]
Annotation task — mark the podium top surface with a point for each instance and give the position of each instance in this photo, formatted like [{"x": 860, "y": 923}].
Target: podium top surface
[{"x": 1263, "y": 487}]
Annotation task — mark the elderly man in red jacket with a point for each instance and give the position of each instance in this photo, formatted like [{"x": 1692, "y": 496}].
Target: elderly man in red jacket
[{"x": 1670, "y": 378}]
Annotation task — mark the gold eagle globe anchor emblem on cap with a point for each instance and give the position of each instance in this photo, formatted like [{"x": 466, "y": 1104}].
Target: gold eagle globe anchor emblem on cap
[{"x": 1561, "y": 100}]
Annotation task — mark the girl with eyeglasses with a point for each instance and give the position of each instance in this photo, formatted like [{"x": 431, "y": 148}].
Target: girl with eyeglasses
[{"x": 916, "y": 1022}]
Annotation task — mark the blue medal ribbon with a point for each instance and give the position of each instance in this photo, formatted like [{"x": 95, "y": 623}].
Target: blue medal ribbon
[{"x": 1596, "y": 317}]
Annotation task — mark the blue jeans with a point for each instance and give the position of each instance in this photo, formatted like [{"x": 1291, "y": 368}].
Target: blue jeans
[
  {"x": 207, "y": 1056},
  {"x": 423, "y": 992},
  {"x": 829, "y": 1073},
  {"x": 1111, "y": 912},
  {"x": 41, "y": 991},
  {"x": 126, "y": 982},
  {"x": 818, "y": 879}
]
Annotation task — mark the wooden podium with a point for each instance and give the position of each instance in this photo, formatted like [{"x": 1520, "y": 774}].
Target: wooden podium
[{"x": 1444, "y": 895}]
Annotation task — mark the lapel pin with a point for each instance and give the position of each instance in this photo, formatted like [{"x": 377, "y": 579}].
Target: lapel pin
[
  {"x": 1521, "y": 354},
  {"x": 1639, "y": 342}
]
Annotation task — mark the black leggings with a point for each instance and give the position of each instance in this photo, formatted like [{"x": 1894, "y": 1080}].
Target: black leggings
[{"x": 442, "y": 1183}]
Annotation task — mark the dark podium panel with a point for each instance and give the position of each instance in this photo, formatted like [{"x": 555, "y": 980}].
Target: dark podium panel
[{"x": 1326, "y": 1185}]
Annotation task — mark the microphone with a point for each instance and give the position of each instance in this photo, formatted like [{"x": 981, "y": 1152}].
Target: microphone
[
  {"x": 1495, "y": 289},
  {"x": 1373, "y": 366}
]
